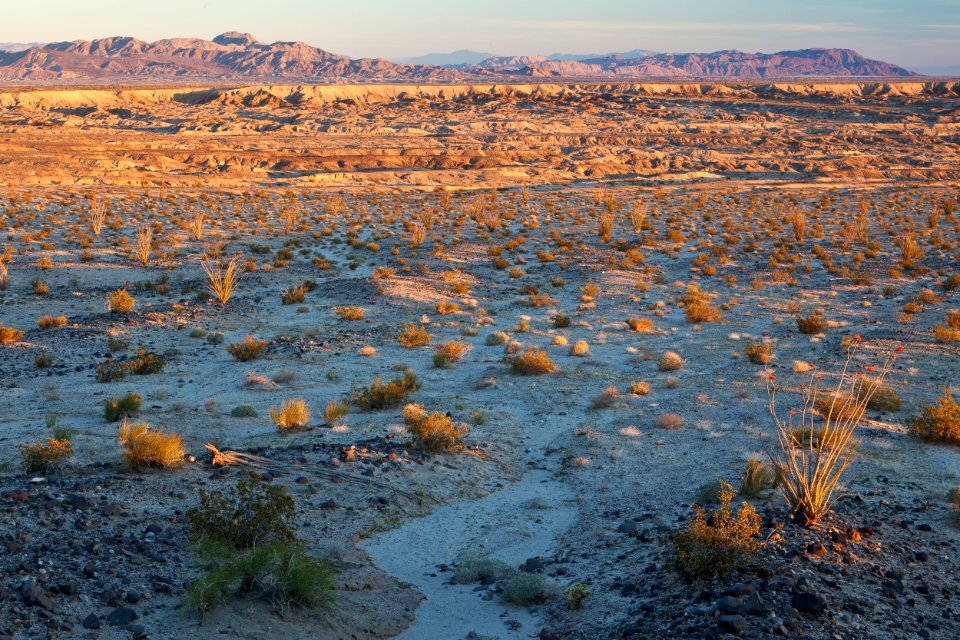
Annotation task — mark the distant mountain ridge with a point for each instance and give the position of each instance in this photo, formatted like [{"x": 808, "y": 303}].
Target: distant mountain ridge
[{"x": 235, "y": 56}]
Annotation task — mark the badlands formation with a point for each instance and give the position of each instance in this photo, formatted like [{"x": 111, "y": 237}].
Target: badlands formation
[{"x": 489, "y": 345}]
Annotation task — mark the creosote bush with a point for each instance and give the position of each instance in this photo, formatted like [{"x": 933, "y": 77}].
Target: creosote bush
[
  {"x": 412, "y": 335},
  {"x": 380, "y": 395},
  {"x": 532, "y": 362},
  {"x": 938, "y": 423},
  {"x": 250, "y": 514},
  {"x": 45, "y": 457},
  {"x": 433, "y": 431},
  {"x": 716, "y": 542},
  {"x": 145, "y": 447},
  {"x": 249, "y": 349},
  {"x": 697, "y": 307},
  {"x": 51, "y": 322},
  {"x": 121, "y": 302},
  {"x": 449, "y": 352},
  {"x": 812, "y": 324}
]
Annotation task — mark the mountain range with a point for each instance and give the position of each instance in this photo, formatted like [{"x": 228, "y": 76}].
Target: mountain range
[{"x": 234, "y": 56}]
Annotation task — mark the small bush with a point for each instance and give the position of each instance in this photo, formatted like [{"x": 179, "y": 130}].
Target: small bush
[
  {"x": 249, "y": 349},
  {"x": 251, "y": 513},
  {"x": 45, "y": 457},
  {"x": 145, "y": 363},
  {"x": 606, "y": 399},
  {"x": 759, "y": 352},
  {"x": 433, "y": 432},
  {"x": 243, "y": 411},
  {"x": 670, "y": 361},
  {"x": 215, "y": 337},
  {"x": 812, "y": 324},
  {"x": 561, "y": 321},
  {"x": 43, "y": 361},
  {"x": 670, "y": 421},
  {"x": 715, "y": 543},
  {"x": 9, "y": 334},
  {"x": 697, "y": 307},
  {"x": 938, "y": 423},
  {"x": 291, "y": 414},
  {"x": 757, "y": 477},
  {"x": 580, "y": 349},
  {"x": 350, "y": 313},
  {"x": 412, "y": 335},
  {"x": 449, "y": 352},
  {"x": 120, "y": 301},
  {"x": 532, "y": 362},
  {"x": 336, "y": 410},
  {"x": 380, "y": 395},
  {"x": 640, "y": 388},
  {"x": 540, "y": 300},
  {"x": 443, "y": 307},
  {"x": 52, "y": 322},
  {"x": 110, "y": 371},
  {"x": 116, "y": 408},
  {"x": 117, "y": 342},
  {"x": 143, "y": 447},
  {"x": 497, "y": 338},
  {"x": 879, "y": 396},
  {"x": 709, "y": 492},
  {"x": 576, "y": 594},
  {"x": 525, "y": 588},
  {"x": 640, "y": 325},
  {"x": 295, "y": 295},
  {"x": 480, "y": 568}
]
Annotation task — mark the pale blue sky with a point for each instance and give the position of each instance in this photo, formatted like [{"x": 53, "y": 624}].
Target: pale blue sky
[{"x": 913, "y": 33}]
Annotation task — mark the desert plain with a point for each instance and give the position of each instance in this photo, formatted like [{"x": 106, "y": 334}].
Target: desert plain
[{"x": 665, "y": 254}]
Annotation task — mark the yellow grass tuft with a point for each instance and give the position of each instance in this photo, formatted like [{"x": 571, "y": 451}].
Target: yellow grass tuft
[{"x": 144, "y": 447}]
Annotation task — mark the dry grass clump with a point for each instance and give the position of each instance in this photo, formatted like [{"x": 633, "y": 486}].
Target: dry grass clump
[
  {"x": 670, "y": 421},
  {"x": 116, "y": 408},
  {"x": 497, "y": 338},
  {"x": 759, "y": 352},
  {"x": 412, "y": 335},
  {"x": 367, "y": 351},
  {"x": 532, "y": 362},
  {"x": 714, "y": 543},
  {"x": 580, "y": 349},
  {"x": 670, "y": 361},
  {"x": 249, "y": 349},
  {"x": 938, "y": 423},
  {"x": 222, "y": 279},
  {"x": 336, "y": 410},
  {"x": 144, "y": 447},
  {"x": 45, "y": 457},
  {"x": 52, "y": 322},
  {"x": 540, "y": 300},
  {"x": 697, "y": 306},
  {"x": 291, "y": 414},
  {"x": 433, "y": 432},
  {"x": 293, "y": 295},
  {"x": 880, "y": 397},
  {"x": 640, "y": 388},
  {"x": 351, "y": 312},
  {"x": 380, "y": 395},
  {"x": 449, "y": 352},
  {"x": 120, "y": 301},
  {"x": 4, "y": 275},
  {"x": 9, "y": 334},
  {"x": 801, "y": 366},
  {"x": 758, "y": 476},
  {"x": 606, "y": 399},
  {"x": 810, "y": 470},
  {"x": 443, "y": 307},
  {"x": 560, "y": 341},
  {"x": 812, "y": 324},
  {"x": 640, "y": 325}
]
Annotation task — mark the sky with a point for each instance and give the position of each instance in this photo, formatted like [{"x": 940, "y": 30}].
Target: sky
[{"x": 916, "y": 34}]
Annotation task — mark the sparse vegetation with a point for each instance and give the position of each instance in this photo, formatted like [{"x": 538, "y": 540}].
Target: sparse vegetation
[
  {"x": 433, "y": 431},
  {"x": 381, "y": 395},
  {"x": 146, "y": 447},
  {"x": 292, "y": 414},
  {"x": 45, "y": 457},
  {"x": 938, "y": 423},
  {"x": 249, "y": 349}
]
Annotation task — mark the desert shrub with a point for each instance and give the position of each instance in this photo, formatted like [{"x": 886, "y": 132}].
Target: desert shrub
[
  {"x": 945, "y": 335},
  {"x": 497, "y": 338},
  {"x": 45, "y": 457},
  {"x": 144, "y": 447},
  {"x": 9, "y": 334},
  {"x": 117, "y": 342},
  {"x": 714, "y": 543},
  {"x": 250, "y": 514},
  {"x": 412, "y": 335},
  {"x": 879, "y": 396},
  {"x": 43, "y": 361},
  {"x": 116, "y": 408},
  {"x": 580, "y": 348},
  {"x": 336, "y": 410},
  {"x": 938, "y": 423},
  {"x": 350, "y": 312},
  {"x": 697, "y": 307},
  {"x": 285, "y": 376},
  {"x": 640, "y": 388},
  {"x": 561, "y": 321},
  {"x": 480, "y": 568},
  {"x": 145, "y": 363},
  {"x": 283, "y": 575},
  {"x": 222, "y": 279},
  {"x": 243, "y": 411},
  {"x": 709, "y": 492},
  {"x": 525, "y": 588},
  {"x": 294, "y": 295},
  {"x": 759, "y": 352},
  {"x": 532, "y": 362},
  {"x": 449, "y": 352},
  {"x": 380, "y": 395},
  {"x": 433, "y": 432},
  {"x": 443, "y": 307},
  {"x": 52, "y": 322},
  {"x": 607, "y": 398},
  {"x": 670, "y": 421},
  {"x": 120, "y": 301},
  {"x": 812, "y": 324},
  {"x": 540, "y": 300},
  {"x": 757, "y": 477},
  {"x": 670, "y": 361},
  {"x": 576, "y": 594},
  {"x": 291, "y": 414},
  {"x": 214, "y": 337},
  {"x": 109, "y": 371},
  {"x": 640, "y": 325},
  {"x": 249, "y": 349},
  {"x": 841, "y": 405}
]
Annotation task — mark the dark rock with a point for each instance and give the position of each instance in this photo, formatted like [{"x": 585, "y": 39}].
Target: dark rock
[
  {"x": 91, "y": 622},
  {"x": 121, "y": 616},
  {"x": 532, "y": 565},
  {"x": 132, "y": 597},
  {"x": 806, "y": 602},
  {"x": 729, "y": 604},
  {"x": 735, "y": 624}
]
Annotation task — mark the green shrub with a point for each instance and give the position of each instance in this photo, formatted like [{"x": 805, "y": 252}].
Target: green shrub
[
  {"x": 938, "y": 423},
  {"x": 757, "y": 477},
  {"x": 45, "y": 457},
  {"x": 525, "y": 588},
  {"x": 380, "y": 395},
  {"x": 145, "y": 363},
  {"x": 575, "y": 595},
  {"x": 116, "y": 408},
  {"x": 243, "y": 411},
  {"x": 110, "y": 371},
  {"x": 715, "y": 543},
  {"x": 480, "y": 568},
  {"x": 251, "y": 513}
]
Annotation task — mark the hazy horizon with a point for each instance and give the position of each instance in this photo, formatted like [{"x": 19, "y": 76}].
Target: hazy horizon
[{"x": 925, "y": 34}]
